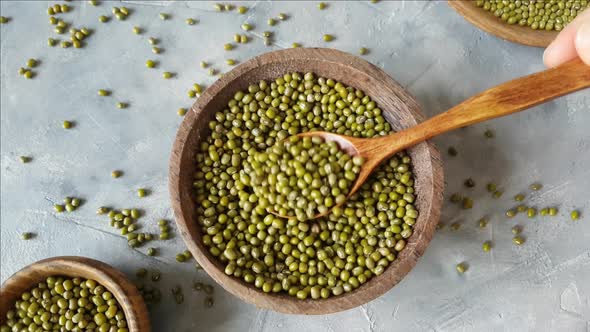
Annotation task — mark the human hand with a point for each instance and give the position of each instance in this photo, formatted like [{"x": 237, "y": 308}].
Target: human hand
[{"x": 573, "y": 41}]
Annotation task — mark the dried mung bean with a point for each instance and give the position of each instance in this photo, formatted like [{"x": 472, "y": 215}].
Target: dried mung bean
[
  {"x": 531, "y": 212},
  {"x": 516, "y": 230},
  {"x": 575, "y": 215},
  {"x": 483, "y": 222},
  {"x": 548, "y": 16},
  {"x": 381, "y": 213},
  {"x": 518, "y": 240},
  {"x": 319, "y": 166},
  {"x": 26, "y": 236},
  {"x": 491, "y": 187},
  {"x": 72, "y": 304},
  {"x": 461, "y": 268},
  {"x": 536, "y": 186}
]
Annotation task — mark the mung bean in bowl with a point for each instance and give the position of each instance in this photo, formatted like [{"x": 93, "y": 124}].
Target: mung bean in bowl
[
  {"x": 71, "y": 293},
  {"x": 355, "y": 254}
]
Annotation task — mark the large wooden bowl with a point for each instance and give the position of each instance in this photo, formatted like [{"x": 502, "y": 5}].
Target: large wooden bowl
[
  {"x": 399, "y": 108},
  {"x": 116, "y": 282},
  {"x": 491, "y": 24}
]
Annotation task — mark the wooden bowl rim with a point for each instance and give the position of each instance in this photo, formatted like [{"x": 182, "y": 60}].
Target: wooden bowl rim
[
  {"x": 128, "y": 296},
  {"x": 280, "y": 302},
  {"x": 493, "y": 25}
]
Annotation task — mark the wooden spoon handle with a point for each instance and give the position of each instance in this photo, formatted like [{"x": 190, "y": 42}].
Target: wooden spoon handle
[{"x": 504, "y": 99}]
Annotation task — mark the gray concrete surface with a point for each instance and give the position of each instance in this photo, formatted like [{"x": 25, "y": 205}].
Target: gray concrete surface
[{"x": 441, "y": 59}]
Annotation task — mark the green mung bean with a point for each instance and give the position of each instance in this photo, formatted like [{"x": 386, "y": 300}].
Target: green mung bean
[
  {"x": 531, "y": 212},
  {"x": 536, "y": 186},
  {"x": 516, "y": 230},
  {"x": 518, "y": 240},
  {"x": 65, "y": 303},
  {"x": 26, "y": 236},
  {"x": 234, "y": 221},
  {"x": 554, "y": 15},
  {"x": 461, "y": 267},
  {"x": 575, "y": 215}
]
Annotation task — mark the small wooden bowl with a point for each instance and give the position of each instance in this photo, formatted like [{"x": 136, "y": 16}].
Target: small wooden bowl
[
  {"x": 491, "y": 24},
  {"x": 116, "y": 282},
  {"x": 398, "y": 107}
]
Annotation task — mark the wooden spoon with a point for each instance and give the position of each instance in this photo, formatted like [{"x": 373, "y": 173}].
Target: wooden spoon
[{"x": 504, "y": 99}]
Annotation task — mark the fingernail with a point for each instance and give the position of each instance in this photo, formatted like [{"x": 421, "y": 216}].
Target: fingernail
[{"x": 583, "y": 42}]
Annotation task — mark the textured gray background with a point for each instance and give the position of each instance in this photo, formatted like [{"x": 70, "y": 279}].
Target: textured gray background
[{"x": 541, "y": 286}]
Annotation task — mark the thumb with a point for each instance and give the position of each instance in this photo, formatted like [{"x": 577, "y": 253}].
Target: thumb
[{"x": 582, "y": 42}]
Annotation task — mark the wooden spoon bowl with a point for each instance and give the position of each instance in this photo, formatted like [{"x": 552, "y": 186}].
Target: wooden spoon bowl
[
  {"x": 399, "y": 109},
  {"x": 114, "y": 281},
  {"x": 494, "y": 25}
]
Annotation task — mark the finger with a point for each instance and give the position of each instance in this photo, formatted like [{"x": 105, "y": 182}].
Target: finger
[
  {"x": 582, "y": 42},
  {"x": 563, "y": 48}
]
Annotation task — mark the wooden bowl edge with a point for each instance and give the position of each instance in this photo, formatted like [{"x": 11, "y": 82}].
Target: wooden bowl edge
[
  {"x": 129, "y": 298},
  {"x": 491, "y": 24},
  {"x": 246, "y": 292}
]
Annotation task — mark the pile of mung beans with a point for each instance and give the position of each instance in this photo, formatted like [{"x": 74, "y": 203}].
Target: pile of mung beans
[
  {"x": 535, "y": 14},
  {"x": 66, "y": 304},
  {"x": 301, "y": 177},
  {"x": 316, "y": 258}
]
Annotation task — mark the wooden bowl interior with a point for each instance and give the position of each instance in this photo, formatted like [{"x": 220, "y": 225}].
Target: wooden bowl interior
[
  {"x": 400, "y": 110},
  {"x": 113, "y": 280},
  {"x": 494, "y": 25}
]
